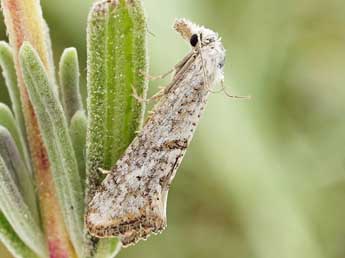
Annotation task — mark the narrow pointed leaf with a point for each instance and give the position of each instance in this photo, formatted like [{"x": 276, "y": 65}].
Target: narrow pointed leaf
[
  {"x": 49, "y": 52},
  {"x": 12, "y": 242},
  {"x": 117, "y": 61},
  {"x": 78, "y": 136},
  {"x": 7, "y": 120},
  {"x": 18, "y": 213},
  {"x": 53, "y": 125},
  {"x": 69, "y": 82},
  {"x": 107, "y": 249},
  {"x": 21, "y": 175},
  {"x": 9, "y": 73},
  {"x": 24, "y": 22}
]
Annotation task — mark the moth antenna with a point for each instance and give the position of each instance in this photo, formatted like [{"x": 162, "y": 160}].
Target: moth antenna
[
  {"x": 203, "y": 63},
  {"x": 204, "y": 70},
  {"x": 223, "y": 89},
  {"x": 214, "y": 91}
]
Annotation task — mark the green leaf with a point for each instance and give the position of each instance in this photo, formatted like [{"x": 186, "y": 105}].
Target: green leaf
[
  {"x": 125, "y": 64},
  {"x": 53, "y": 126},
  {"x": 7, "y": 120},
  {"x": 107, "y": 249},
  {"x": 78, "y": 136},
  {"x": 9, "y": 73},
  {"x": 18, "y": 213},
  {"x": 69, "y": 82},
  {"x": 21, "y": 174},
  {"x": 12, "y": 242},
  {"x": 117, "y": 61}
]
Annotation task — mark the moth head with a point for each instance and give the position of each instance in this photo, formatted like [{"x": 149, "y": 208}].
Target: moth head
[{"x": 196, "y": 35}]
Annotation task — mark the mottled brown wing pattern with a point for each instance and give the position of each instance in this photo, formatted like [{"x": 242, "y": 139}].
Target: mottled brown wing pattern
[{"x": 131, "y": 201}]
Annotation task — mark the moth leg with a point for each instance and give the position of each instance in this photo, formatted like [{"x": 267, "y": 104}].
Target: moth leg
[
  {"x": 183, "y": 62},
  {"x": 175, "y": 69},
  {"x": 158, "y": 77},
  {"x": 223, "y": 89},
  {"x": 149, "y": 31},
  {"x": 179, "y": 69},
  {"x": 182, "y": 68},
  {"x": 103, "y": 171},
  {"x": 157, "y": 96},
  {"x": 136, "y": 95}
]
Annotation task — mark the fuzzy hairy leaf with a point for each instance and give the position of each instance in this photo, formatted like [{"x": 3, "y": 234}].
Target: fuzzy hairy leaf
[
  {"x": 18, "y": 213},
  {"x": 8, "y": 121},
  {"x": 53, "y": 126},
  {"x": 24, "y": 22},
  {"x": 21, "y": 175},
  {"x": 107, "y": 249},
  {"x": 12, "y": 242},
  {"x": 69, "y": 82},
  {"x": 9, "y": 73},
  {"x": 78, "y": 136}
]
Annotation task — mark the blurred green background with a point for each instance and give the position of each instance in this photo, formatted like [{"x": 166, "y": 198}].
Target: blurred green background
[{"x": 263, "y": 178}]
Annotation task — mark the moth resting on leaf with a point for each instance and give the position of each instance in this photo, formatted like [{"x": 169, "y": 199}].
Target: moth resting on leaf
[{"x": 131, "y": 201}]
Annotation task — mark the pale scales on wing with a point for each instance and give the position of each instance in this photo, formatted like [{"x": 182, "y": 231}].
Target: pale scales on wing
[{"x": 131, "y": 202}]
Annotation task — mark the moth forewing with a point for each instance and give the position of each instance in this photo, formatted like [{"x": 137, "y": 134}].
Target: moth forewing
[{"x": 131, "y": 202}]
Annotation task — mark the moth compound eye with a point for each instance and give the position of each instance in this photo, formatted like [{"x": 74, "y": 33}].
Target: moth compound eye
[{"x": 194, "y": 40}]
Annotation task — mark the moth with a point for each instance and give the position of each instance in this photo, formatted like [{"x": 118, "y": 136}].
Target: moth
[{"x": 132, "y": 200}]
